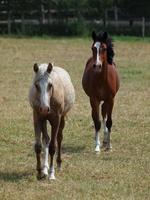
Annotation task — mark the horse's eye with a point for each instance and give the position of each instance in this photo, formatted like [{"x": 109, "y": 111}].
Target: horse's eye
[
  {"x": 103, "y": 49},
  {"x": 37, "y": 86},
  {"x": 49, "y": 86},
  {"x": 94, "y": 49}
]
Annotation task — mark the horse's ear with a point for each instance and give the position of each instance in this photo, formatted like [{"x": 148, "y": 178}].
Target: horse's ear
[
  {"x": 35, "y": 67},
  {"x": 94, "y": 35},
  {"x": 49, "y": 68},
  {"x": 105, "y": 36}
]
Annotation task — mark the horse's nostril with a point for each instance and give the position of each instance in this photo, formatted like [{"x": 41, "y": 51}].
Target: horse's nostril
[
  {"x": 40, "y": 109},
  {"x": 94, "y": 65},
  {"x": 44, "y": 110}
]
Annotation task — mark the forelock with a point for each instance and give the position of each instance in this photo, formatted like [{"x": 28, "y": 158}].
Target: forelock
[{"x": 42, "y": 72}]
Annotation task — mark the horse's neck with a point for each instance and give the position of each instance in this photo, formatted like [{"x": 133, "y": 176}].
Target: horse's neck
[{"x": 104, "y": 70}]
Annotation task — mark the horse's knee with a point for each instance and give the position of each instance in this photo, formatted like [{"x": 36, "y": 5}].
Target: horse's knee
[
  {"x": 38, "y": 148},
  {"x": 59, "y": 137},
  {"x": 52, "y": 149},
  {"x": 97, "y": 125},
  {"x": 109, "y": 124},
  {"x": 104, "y": 110}
]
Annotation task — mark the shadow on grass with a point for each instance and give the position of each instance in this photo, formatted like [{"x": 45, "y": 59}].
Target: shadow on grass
[
  {"x": 13, "y": 176},
  {"x": 72, "y": 149}
]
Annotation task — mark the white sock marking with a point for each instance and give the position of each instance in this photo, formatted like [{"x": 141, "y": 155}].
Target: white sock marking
[
  {"x": 45, "y": 163},
  {"x": 97, "y": 142},
  {"x": 105, "y": 130},
  {"x": 52, "y": 173}
]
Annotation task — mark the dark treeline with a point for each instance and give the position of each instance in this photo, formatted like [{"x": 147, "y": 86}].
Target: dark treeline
[{"x": 69, "y": 17}]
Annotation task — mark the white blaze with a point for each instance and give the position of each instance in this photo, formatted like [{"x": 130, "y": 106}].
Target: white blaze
[
  {"x": 44, "y": 96},
  {"x": 97, "y": 45}
]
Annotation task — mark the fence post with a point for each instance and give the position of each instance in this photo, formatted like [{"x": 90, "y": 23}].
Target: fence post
[
  {"x": 49, "y": 15},
  {"x": 105, "y": 18},
  {"x": 116, "y": 16},
  {"x": 22, "y": 23},
  {"x": 9, "y": 22},
  {"x": 143, "y": 27},
  {"x": 42, "y": 15}
]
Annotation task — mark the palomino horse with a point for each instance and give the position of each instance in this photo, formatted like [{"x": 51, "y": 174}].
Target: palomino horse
[
  {"x": 101, "y": 82},
  {"x": 51, "y": 96}
]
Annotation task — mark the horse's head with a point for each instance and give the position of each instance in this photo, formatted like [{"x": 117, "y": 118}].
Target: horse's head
[
  {"x": 99, "y": 48},
  {"x": 43, "y": 86}
]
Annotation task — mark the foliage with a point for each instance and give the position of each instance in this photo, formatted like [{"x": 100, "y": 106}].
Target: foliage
[{"x": 135, "y": 8}]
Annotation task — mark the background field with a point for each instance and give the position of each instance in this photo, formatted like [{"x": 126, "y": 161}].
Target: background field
[{"x": 122, "y": 174}]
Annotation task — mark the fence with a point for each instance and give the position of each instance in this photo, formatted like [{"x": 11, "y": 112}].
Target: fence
[{"x": 50, "y": 22}]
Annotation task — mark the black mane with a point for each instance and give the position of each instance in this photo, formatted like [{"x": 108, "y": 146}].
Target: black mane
[{"x": 110, "y": 50}]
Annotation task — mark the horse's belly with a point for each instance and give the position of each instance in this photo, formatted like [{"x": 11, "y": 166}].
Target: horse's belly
[{"x": 69, "y": 96}]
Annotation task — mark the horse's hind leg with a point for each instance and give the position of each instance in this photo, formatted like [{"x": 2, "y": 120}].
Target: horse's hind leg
[
  {"x": 104, "y": 112},
  {"x": 38, "y": 145},
  {"x": 45, "y": 139},
  {"x": 95, "y": 116},
  {"x": 109, "y": 122},
  {"x": 59, "y": 140}
]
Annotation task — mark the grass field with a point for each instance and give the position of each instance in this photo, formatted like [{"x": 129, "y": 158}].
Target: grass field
[{"x": 123, "y": 174}]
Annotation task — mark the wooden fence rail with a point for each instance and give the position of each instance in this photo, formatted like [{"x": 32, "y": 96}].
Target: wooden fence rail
[{"x": 8, "y": 20}]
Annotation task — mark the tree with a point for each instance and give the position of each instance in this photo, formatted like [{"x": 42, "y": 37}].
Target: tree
[{"x": 135, "y": 8}]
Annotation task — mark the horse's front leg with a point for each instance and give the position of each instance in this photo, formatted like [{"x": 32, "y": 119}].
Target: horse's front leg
[
  {"x": 52, "y": 147},
  {"x": 95, "y": 116},
  {"x": 38, "y": 145},
  {"x": 45, "y": 140}
]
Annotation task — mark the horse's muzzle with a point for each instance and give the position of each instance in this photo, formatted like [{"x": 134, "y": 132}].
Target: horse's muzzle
[
  {"x": 97, "y": 66},
  {"x": 44, "y": 110}
]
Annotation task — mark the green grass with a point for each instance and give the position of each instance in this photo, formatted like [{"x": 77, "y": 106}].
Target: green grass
[
  {"x": 122, "y": 174},
  {"x": 131, "y": 38}
]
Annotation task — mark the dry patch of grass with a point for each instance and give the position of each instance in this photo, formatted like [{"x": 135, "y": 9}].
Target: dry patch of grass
[{"x": 122, "y": 174}]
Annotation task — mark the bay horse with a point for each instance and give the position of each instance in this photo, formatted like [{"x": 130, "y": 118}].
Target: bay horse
[
  {"x": 51, "y": 96},
  {"x": 100, "y": 82}
]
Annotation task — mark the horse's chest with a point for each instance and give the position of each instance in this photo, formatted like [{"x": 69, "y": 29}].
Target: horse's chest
[{"x": 101, "y": 93}]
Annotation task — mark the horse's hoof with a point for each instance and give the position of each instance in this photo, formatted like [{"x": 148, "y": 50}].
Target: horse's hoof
[
  {"x": 45, "y": 171},
  {"x": 41, "y": 176},
  {"x": 59, "y": 168},
  {"x": 97, "y": 149},
  {"x": 108, "y": 149},
  {"x": 52, "y": 177},
  {"x": 104, "y": 145}
]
